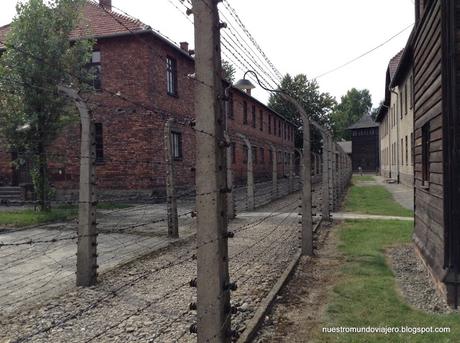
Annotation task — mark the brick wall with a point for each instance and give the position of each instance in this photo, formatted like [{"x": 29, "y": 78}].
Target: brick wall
[{"x": 133, "y": 134}]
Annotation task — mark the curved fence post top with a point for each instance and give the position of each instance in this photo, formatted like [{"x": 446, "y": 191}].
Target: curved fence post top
[
  {"x": 227, "y": 137},
  {"x": 272, "y": 146},
  {"x": 300, "y": 152},
  {"x": 245, "y": 139}
]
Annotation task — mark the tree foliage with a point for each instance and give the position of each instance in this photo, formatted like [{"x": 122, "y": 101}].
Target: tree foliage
[
  {"x": 229, "y": 71},
  {"x": 375, "y": 111},
  {"x": 351, "y": 108},
  {"x": 39, "y": 58},
  {"x": 317, "y": 104}
]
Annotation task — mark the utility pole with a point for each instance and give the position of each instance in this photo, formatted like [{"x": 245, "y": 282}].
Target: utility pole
[
  {"x": 87, "y": 230},
  {"x": 213, "y": 286},
  {"x": 171, "y": 198}
]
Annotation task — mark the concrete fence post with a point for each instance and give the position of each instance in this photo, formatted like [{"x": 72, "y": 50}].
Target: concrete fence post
[
  {"x": 326, "y": 214},
  {"x": 307, "y": 215},
  {"x": 291, "y": 173},
  {"x": 330, "y": 174},
  {"x": 213, "y": 284},
  {"x": 87, "y": 229},
  {"x": 301, "y": 166},
  {"x": 231, "y": 214},
  {"x": 171, "y": 198},
  {"x": 250, "y": 174},
  {"x": 334, "y": 173}
]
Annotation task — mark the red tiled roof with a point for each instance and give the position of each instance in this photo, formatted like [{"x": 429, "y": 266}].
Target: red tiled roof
[
  {"x": 394, "y": 63},
  {"x": 97, "y": 22}
]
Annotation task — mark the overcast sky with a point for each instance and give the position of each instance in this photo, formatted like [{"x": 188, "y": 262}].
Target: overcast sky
[{"x": 299, "y": 36}]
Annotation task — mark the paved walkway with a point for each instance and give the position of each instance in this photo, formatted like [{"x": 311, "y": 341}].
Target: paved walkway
[{"x": 342, "y": 216}]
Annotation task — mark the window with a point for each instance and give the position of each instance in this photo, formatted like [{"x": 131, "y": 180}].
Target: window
[
  {"x": 245, "y": 154},
  {"x": 230, "y": 107},
  {"x": 269, "y": 124},
  {"x": 261, "y": 120},
  {"x": 254, "y": 154},
  {"x": 402, "y": 151},
  {"x": 245, "y": 113},
  {"x": 270, "y": 156},
  {"x": 279, "y": 128},
  {"x": 407, "y": 151},
  {"x": 233, "y": 153},
  {"x": 274, "y": 126},
  {"x": 412, "y": 148},
  {"x": 176, "y": 145},
  {"x": 254, "y": 124},
  {"x": 96, "y": 69},
  {"x": 171, "y": 76},
  {"x": 262, "y": 155},
  {"x": 406, "y": 99},
  {"x": 426, "y": 137},
  {"x": 411, "y": 87},
  {"x": 99, "y": 142},
  {"x": 401, "y": 102}
]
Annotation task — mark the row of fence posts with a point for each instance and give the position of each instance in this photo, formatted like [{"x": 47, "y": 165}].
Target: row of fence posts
[{"x": 214, "y": 184}]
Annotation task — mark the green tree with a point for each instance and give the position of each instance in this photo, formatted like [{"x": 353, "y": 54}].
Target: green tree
[
  {"x": 351, "y": 108},
  {"x": 229, "y": 71},
  {"x": 375, "y": 111},
  {"x": 317, "y": 104},
  {"x": 39, "y": 58}
]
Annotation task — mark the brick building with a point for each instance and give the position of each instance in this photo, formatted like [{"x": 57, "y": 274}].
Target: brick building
[{"x": 143, "y": 80}]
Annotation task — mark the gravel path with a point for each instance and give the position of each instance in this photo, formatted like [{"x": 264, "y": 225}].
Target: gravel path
[
  {"x": 35, "y": 272},
  {"x": 414, "y": 280},
  {"x": 297, "y": 314},
  {"x": 148, "y": 299}
]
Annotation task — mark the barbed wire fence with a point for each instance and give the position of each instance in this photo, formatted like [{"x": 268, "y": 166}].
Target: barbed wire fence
[{"x": 161, "y": 294}]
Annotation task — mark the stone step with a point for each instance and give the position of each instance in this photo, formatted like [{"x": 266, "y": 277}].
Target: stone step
[
  {"x": 11, "y": 194},
  {"x": 10, "y": 189}
]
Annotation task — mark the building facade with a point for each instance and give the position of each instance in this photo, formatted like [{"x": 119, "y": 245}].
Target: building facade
[
  {"x": 143, "y": 79},
  {"x": 365, "y": 145},
  {"x": 432, "y": 56},
  {"x": 395, "y": 118}
]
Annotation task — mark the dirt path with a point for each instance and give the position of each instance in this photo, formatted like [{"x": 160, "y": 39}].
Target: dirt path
[{"x": 300, "y": 308}]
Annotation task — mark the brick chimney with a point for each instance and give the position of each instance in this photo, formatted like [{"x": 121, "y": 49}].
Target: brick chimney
[
  {"x": 107, "y": 4},
  {"x": 184, "y": 46}
]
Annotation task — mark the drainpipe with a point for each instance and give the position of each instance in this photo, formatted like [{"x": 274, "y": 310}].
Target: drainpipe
[{"x": 397, "y": 132}]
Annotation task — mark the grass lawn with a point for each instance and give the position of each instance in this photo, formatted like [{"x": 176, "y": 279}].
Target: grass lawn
[
  {"x": 365, "y": 294},
  {"x": 374, "y": 200},
  {"x": 58, "y": 213}
]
